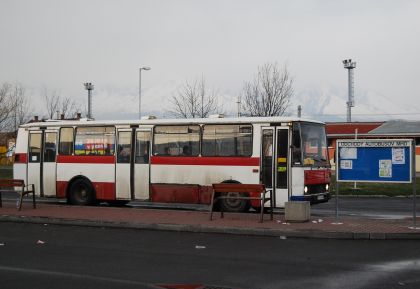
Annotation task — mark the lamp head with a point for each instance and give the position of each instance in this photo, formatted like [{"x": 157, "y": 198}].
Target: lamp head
[{"x": 88, "y": 86}]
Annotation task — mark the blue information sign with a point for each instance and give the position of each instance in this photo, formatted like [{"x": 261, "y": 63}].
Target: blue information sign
[{"x": 374, "y": 160}]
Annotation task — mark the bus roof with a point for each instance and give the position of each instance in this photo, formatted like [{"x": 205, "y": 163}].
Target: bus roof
[{"x": 154, "y": 121}]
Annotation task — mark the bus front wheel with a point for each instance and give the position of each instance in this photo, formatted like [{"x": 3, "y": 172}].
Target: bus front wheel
[{"x": 81, "y": 193}]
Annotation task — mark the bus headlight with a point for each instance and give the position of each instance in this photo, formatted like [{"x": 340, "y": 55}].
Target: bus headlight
[
  {"x": 305, "y": 189},
  {"x": 327, "y": 187}
]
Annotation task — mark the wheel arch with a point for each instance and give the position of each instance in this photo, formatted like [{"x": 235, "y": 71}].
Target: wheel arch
[
  {"x": 79, "y": 177},
  {"x": 230, "y": 181}
]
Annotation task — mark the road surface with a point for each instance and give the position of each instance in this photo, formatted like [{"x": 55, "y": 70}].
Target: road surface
[{"x": 39, "y": 256}]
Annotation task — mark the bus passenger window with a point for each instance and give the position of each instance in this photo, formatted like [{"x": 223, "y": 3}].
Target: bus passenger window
[
  {"x": 186, "y": 150},
  {"x": 179, "y": 140},
  {"x": 124, "y": 147},
  {"x": 35, "y": 148},
  {"x": 227, "y": 140},
  {"x": 50, "y": 146},
  {"x": 142, "y": 147},
  {"x": 66, "y": 141},
  {"x": 95, "y": 141}
]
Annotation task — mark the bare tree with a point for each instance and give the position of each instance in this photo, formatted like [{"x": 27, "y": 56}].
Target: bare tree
[
  {"x": 55, "y": 104},
  {"x": 52, "y": 101},
  {"x": 193, "y": 100},
  {"x": 14, "y": 106},
  {"x": 7, "y": 105},
  {"x": 269, "y": 93},
  {"x": 21, "y": 108},
  {"x": 69, "y": 107}
]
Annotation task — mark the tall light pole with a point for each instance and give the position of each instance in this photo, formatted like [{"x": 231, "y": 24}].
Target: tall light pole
[
  {"x": 89, "y": 87},
  {"x": 141, "y": 68},
  {"x": 239, "y": 105},
  {"x": 349, "y": 65}
]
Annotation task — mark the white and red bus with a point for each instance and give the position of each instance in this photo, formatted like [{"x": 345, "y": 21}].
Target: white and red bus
[{"x": 173, "y": 161}]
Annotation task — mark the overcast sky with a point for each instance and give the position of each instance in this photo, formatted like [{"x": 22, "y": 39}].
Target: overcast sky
[{"x": 62, "y": 44}]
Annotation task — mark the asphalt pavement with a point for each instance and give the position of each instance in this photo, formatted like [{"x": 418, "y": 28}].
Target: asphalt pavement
[{"x": 48, "y": 256}]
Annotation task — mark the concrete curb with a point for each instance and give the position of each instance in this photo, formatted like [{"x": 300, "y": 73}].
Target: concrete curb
[{"x": 218, "y": 230}]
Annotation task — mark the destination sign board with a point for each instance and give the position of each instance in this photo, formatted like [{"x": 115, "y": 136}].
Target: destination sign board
[{"x": 374, "y": 160}]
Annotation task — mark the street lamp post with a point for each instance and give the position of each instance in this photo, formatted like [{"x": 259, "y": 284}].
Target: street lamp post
[{"x": 141, "y": 68}]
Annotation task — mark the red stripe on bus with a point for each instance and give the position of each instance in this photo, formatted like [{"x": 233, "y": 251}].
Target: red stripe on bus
[
  {"x": 181, "y": 193},
  {"x": 61, "y": 189},
  {"x": 85, "y": 159},
  {"x": 104, "y": 191},
  {"x": 21, "y": 158},
  {"x": 205, "y": 161}
]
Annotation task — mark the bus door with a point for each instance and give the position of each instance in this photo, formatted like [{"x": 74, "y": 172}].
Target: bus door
[
  {"x": 49, "y": 165},
  {"x": 34, "y": 160},
  {"x": 42, "y": 161},
  {"x": 133, "y": 169},
  {"x": 275, "y": 163},
  {"x": 142, "y": 164},
  {"x": 123, "y": 166}
]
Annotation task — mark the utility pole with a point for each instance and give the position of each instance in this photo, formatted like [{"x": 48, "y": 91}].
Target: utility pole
[
  {"x": 299, "y": 111},
  {"x": 89, "y": 87},
  {"x": 239, "y": 106},
  {"x": 140, "y": 69},
  {"x": 350, "y": 65}
]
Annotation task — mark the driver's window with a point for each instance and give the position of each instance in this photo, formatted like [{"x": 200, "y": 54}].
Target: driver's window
[{"x": 296, "y": 145}]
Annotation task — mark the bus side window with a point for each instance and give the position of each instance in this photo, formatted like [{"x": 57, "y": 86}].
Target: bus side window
[
  {"x": 95, "y": 141},
  {"x": 50, "y": 147},
  {"x": 66, "y": 141},
  {"x": 227, "y": 140},
  {"x": 142, "y": 147},
  {"x": 124, "y": 147},
  {"x": 179, "y": 140},
  {"x": 35, "y": 148}
]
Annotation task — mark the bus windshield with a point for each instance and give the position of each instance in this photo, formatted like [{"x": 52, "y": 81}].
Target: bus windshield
[{"x": 310, "y": 145}]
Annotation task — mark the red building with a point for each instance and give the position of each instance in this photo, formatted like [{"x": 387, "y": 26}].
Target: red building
[
  {"x": 388, "y": 129},
  {"x": 347, "y": 130}
]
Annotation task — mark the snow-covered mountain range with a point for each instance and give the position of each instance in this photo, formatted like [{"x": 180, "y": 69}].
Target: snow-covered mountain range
[
  {"x": 326, "y": 104},
  {"x": 330, "y": 105}
]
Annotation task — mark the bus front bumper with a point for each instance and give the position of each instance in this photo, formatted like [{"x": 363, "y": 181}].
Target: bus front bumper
[{"x": 313, "y": 198}]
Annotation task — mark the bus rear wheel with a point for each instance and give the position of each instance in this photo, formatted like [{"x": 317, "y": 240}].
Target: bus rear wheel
[
  {"x": 81, "y": 193},
  {"x": 235, "y": 205}
]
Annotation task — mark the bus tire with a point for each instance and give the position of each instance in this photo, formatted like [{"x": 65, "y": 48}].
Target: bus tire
[
  {"x": 81, "y": 193},
  {"x": 232, "y": 205}
]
